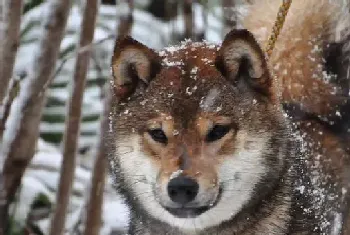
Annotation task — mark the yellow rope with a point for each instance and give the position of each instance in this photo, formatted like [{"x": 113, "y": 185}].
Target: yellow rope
[{"x": 281, "y": 16}]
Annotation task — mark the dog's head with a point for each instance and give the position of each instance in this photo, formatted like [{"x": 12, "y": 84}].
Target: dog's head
[{"x": 199, "y": 132}]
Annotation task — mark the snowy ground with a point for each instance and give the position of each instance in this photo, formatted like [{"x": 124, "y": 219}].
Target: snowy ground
[{"x": 42, "y": 178}]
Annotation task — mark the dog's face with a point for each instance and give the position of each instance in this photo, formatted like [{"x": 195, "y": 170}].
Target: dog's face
[{"x": 199, "y": 136}]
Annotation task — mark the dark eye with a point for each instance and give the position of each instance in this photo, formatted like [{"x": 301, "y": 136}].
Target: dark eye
[
  {"x": 217, "y": 132},
  {"x": 158, "y": 135}
]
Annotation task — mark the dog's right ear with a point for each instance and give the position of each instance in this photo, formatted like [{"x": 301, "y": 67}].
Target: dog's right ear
[
  {"x": 133, "y": 66},
  {"x": 240, "y": 58}
]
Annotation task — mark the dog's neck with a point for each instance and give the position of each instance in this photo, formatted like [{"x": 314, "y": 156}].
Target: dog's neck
[{"x": 269, "y": 216}]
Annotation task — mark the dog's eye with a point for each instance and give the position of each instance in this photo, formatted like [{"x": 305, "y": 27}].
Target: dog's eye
[
  {"x": 158, "y": 135},
  {"x": 217, "y": 132}
]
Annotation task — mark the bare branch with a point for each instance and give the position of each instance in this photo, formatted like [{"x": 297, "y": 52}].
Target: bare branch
[
  {"x": 126, "y": 20},
  {"x": 9, "y": 43},
  {"x": 70, "y": 141},
  {"x": 230, "y": 21},
  {"x": 81, "y": 50},
  {"x": 94, "y": 207},
  {"x": 7, "y": 102},
  {"x": 188, "y": 18}
]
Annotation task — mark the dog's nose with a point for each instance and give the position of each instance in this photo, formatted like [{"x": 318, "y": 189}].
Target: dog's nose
[{"x": 182, "y": 189}]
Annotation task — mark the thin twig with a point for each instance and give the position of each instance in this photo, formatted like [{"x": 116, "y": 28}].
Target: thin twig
[
  {"x": 7, "y": 102},
  {"x": 81, "y": 50}
]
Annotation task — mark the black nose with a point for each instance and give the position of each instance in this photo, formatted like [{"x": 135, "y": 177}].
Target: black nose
[{"x": 182, "y": 189}]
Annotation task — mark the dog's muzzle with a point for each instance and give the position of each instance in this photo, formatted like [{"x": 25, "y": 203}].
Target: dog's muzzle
[{"x": 182, "y": 191}]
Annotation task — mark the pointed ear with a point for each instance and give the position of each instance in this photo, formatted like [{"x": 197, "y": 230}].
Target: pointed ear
[
  {"x": 241, "y": 58},
  {"x": 133, "y": 66}
]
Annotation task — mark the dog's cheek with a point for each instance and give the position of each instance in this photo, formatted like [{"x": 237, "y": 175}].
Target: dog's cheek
[
  {"x": 241, "y": 172},
  {"x": 135, "y": 158}
]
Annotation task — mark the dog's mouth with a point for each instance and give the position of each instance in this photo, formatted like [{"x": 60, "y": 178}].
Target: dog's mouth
[{"x": 187, "y": 212}]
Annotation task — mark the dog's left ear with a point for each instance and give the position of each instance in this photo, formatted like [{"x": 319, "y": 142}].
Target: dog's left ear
[
  {"x": 241, "y": 58},
  {"x": 133, "y": 66}
]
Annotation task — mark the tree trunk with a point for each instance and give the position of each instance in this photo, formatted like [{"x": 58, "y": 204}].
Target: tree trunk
[
  {"x": 94, "y": 207},
  {"x": 71, "y": 134},
  {"x": 109, "y": 2},
  {"x": 188, "y": 19},
  {"x": 9, "y": 44},
  {"x": 201, "y": 35},
  {"x": 126, "y": 19},
  {"x": 20, "y": 136},
  {"x": 230, "y": 21},
  {"x": 165, "y": 10}
]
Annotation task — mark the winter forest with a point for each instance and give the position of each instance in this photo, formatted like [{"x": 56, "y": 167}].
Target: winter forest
[{"x": 55, "y": 71}]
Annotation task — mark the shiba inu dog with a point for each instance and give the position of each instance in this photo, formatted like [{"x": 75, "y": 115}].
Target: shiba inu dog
[{"x": 200, "y": 142}]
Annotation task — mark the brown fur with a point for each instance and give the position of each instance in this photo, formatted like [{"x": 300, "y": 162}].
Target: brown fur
[
  {"x": 297, "y": 58},
  {"x": 299, "y": 66}
]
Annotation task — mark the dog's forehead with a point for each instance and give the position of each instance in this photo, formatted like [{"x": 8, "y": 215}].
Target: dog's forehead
[
  {"x": 190, "y": 76},
  {"x": 187, "y": 54},
  {"x": 189, "y": 67}
]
